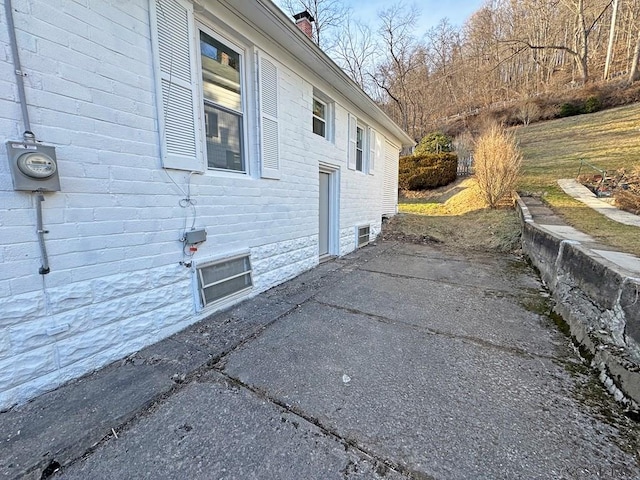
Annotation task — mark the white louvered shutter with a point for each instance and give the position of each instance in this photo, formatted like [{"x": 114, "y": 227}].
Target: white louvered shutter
[
  {"x": 353, "y": 142},
  {"x": 372, "y": 150},
  {"x": 269, "y": 127},
  {"x": 177, "y": 78}
]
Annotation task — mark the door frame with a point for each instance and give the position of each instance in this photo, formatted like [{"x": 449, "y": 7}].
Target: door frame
[{"x": 334, "y": 208}]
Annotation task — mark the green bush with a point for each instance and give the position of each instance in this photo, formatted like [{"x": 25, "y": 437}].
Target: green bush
[
  {"x": 434, "y": 142},
  {"x": 592, "y": 104},
  {"x": 569, "y": 110},
  {"x": 431, "y": 170}
]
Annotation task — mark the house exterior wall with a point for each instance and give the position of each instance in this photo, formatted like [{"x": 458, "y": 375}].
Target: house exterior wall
[{"x": 116, "y": 283}]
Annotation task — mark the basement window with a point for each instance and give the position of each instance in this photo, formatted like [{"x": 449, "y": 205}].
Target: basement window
[
  {"x": 223, "y": 279},
  {"x": 364, "y": 233}
]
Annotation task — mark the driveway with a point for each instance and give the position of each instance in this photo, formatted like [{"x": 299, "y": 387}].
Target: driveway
[{"x": 400, "y": 361}]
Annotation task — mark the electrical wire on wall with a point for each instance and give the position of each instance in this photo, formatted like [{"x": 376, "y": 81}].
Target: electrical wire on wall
[{"x": 187, "y": 201}]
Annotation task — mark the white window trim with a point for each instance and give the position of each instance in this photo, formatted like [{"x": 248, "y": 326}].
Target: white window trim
[{"x": 243, "y": 51}]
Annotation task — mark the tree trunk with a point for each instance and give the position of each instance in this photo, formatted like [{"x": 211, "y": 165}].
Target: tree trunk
[
  {"x": 612, "y": 35},
  {"x": 634, "y": 74}
]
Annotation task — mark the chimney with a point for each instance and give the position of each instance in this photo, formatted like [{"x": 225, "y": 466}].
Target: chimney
[{"x": 304, "y": 22}]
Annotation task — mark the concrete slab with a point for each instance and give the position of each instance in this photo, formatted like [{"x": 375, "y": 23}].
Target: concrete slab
[
  {"x": 625, "y": 260},
  {"x": 586, "y": 196},
  {"x": 394, "y": 362},
  {"x": 491, "y": 316},
  {"x": 213, "y": 429},
  {"x": 568, "y": 233},
  {"x": 487, "y": 272},
  {"x": 439, "y": 405},
  {"x": 60, "y": 425}
]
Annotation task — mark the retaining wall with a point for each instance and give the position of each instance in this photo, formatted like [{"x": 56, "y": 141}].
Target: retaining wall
[{"x": 598, "y": 299}]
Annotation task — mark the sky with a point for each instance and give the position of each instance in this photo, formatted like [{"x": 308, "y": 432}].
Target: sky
[{"x": 457, "y": 11}]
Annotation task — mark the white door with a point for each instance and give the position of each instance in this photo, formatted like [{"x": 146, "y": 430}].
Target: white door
[{"x": 324, "y": 217}]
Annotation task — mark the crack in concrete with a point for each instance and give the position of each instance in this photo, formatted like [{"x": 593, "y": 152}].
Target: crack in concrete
[
  {"x": 465, "y": 338},
  {"x": 347, "y": 442},
  {"x": 506, "y": 293}
]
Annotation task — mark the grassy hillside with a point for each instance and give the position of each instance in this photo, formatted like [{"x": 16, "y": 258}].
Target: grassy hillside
[{"x": 609, "y": 140}]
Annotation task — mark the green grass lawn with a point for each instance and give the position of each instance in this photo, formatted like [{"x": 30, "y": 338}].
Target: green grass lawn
[{"x": 552, "y": 150}]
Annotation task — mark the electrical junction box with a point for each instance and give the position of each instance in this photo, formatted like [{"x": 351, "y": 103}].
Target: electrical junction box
[
  {"x": 33, "y": 167},
  {"x": 194, "y": 237}
]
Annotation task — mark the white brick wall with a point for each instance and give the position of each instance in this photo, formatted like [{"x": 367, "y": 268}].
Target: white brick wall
[{"x": 116, "y": 284}]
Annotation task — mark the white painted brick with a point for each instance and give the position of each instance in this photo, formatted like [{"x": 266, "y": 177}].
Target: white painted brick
[
  {"x": 20, "y": 307},
  {"x": 69, "y": 297}
]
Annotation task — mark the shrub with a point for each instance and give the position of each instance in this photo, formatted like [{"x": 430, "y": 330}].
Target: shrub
[
  {"x": 497, "y": 163},
  {"x": 592, "y": 104},
  {"x": 421, "y": 172},
  {"x": 434, "y": 142},
  {"x": 528, "y": 112},
  {"x": 569, "y": 110}
]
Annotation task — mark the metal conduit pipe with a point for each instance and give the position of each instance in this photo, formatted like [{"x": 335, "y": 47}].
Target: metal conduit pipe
[
  {"x": 44, "y": 269},
  {"x": 16, "y": 64}
]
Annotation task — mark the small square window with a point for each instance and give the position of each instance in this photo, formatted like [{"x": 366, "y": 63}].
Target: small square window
[{"x": 364, "y": 235}]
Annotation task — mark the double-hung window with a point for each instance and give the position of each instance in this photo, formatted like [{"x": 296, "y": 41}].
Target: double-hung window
[
  {"x": 319, "y": 118},
  {"x": 359, "y": 149},
  {"x": 222, "y": 95}
]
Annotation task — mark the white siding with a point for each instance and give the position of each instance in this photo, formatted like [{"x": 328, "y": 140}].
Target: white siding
[{"x": 390, "y": 185}]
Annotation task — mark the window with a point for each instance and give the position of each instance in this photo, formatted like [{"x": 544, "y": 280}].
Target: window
[
  {"x": 319, "y": 118},
  {"x": 222, "y": 279},
  {"x": 222, "y": 93},
  {"x": 359, "y": 149},
  {"x": 363, "y": 235}
]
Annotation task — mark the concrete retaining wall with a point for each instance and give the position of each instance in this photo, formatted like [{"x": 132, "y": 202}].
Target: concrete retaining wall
[{"x": 598, "y": 299}]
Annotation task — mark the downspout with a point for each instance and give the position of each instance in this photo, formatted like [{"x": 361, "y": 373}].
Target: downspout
[{"x": 28, "y": 135}]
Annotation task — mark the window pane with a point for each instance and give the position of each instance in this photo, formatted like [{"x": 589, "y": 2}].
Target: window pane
[
  {"x": 224, "y": 139},
  {"x": 216, "y": 292},
  {"x": 359, "y": 160},
  {"x": 318, "y": 127},
  {"x": 220, "y": 73},
  {"x": 222, "y": 270},
  {"x": 319, "y": 109},
  {"x": 359, "y": 136}
]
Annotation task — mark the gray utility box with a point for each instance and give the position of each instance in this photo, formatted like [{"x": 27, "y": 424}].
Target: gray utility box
[
  {"x": 33, "y": 167},
  {"x": 194, "y": 237}
]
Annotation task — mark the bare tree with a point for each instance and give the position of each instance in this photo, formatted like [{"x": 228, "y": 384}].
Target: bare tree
[
  {"x": 355, "y": 51},
  {"x": 402, "y": 55}
]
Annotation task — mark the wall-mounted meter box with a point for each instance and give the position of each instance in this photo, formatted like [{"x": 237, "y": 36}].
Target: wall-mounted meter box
[{"x": 33, "y": 167}]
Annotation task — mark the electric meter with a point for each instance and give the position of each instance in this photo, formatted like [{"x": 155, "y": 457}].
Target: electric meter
[
  {"x": 37, "y": 165},
  {"x": 33, "y": 166}
]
